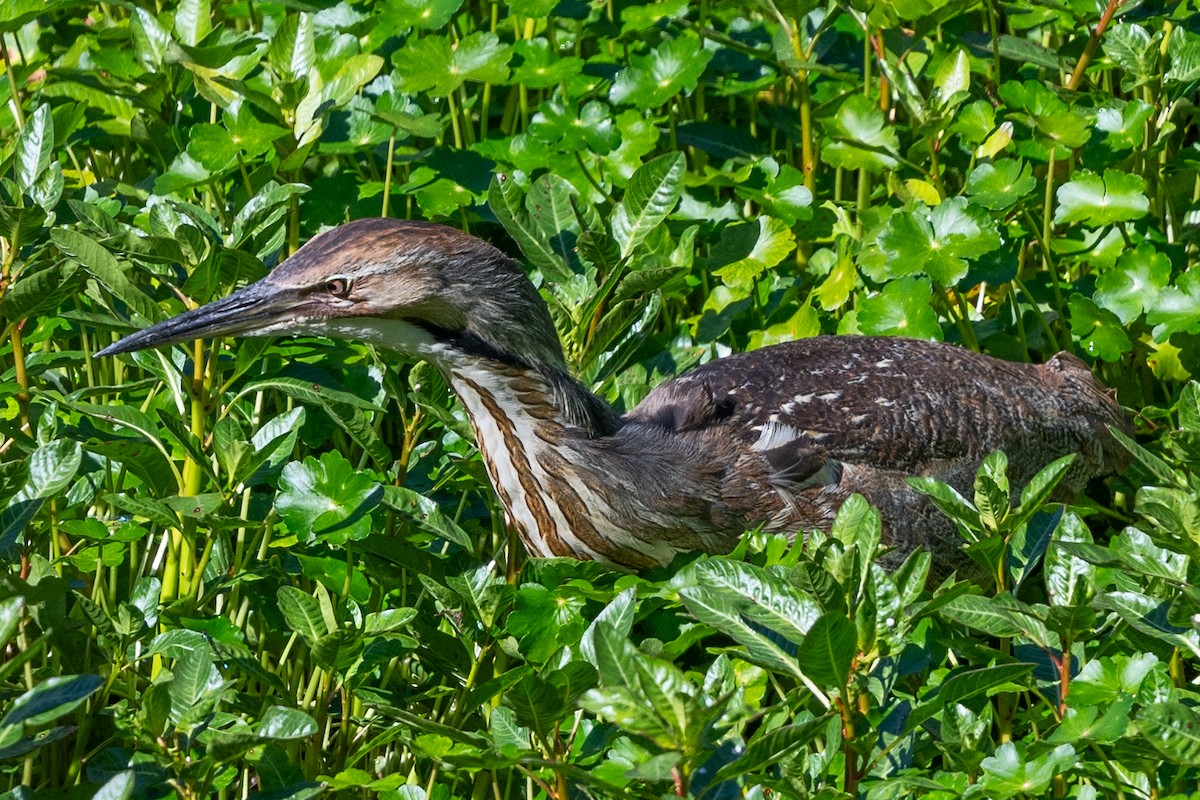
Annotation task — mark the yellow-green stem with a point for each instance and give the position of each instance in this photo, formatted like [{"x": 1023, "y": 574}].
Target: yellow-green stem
[
  {"x": 19, "y": 369},
  {"x": 387, "y": 175},
  {"x": 14, "y": 91}
]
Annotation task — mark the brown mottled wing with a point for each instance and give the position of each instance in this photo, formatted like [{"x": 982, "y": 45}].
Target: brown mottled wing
[{"x": 896, "y": 404}]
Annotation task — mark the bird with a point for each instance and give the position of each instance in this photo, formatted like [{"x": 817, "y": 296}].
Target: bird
[{"x": 774, "y": 439}]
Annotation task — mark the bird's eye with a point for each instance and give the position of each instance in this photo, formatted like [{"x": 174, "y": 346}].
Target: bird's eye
[{"x": 338, "y": 287}]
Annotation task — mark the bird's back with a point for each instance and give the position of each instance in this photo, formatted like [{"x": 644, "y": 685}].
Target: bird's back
[{"x": 801, "y": 425}]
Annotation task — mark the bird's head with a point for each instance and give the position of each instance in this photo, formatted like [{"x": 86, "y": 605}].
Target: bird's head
[{"x": 415, "y": 287}]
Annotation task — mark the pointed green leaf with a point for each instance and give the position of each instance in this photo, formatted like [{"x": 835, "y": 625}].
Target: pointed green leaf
[
  {"x": 302, "y": 613},
  {"x": 650, "y": 196},
  {"x": 828, "y": 650},
  {"x": 35, "y": 148},
  {"x": 51, "y": 699}
]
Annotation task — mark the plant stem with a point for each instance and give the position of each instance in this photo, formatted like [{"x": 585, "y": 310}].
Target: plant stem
[
  {"x": 14, "y": 92},
  {"x": 22, "y": 376},
  {"x": 1089, "y": 50},
  {"x": 387, "y": 174}
]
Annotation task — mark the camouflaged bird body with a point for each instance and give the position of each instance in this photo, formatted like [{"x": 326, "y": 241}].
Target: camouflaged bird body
[{"x": 800, "y": 426}]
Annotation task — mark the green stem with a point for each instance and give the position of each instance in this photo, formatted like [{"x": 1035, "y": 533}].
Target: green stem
[
  {"x": 387, "y": 175},
  {"x": 22, "y": 377},
  {"x": 15, "y": 94}
]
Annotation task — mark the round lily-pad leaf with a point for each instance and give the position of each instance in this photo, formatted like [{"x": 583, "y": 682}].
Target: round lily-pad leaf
[
  {"x": 1134, "y": 283},
  {"x": 327, "y": 499},
  {"x": 901, "y": 309},
  {"x": 1099, "y": 331},
  {"x": 1097, "y": 201},
  {"x": 937, "y": 241},
  {"x": 1000, "y": 184},
  {"x": 651, "y": 80},
  {"x": 862, "y": 138}
]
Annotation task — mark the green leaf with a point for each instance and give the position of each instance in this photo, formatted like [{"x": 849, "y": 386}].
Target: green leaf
[
  {"x": 35, "y": 148},
  {"x": 196, "y": 684},
  {"x": 650, "y": 196},
  {"x": 1185, "y": 56},
  {"x": 1177, "y": 308},
  {"x": 104, "y": 267},
  {"x": 1096, "y": 202},
  {"x": 1099, "y": 331},
  {"x": 293, "y": 50},
  {"x": 998, "y": 185},
  {"x": 828, "y": 650},
  {"x": 983, "y": 614},
  {"x": 1125, "y": 123},
  {"x": 1149, "y": 616},
  {"x": 1130, "y": 46},
  {"x": 336, "y": 575},
  {"x": 967, "y": 682},
  {"x": 568, "y": 127},
  {"x": 614, "y": 656},
  {"x": 282, "y": 724},
  {"x": 327, "y": 499},
  {"x": 543, "y": 619},
  {"x": 342, "y": 407},
  {"x": 399, "y": 15},
  {"x": 49, "y": 470},
  {"x": 745, "y": 251},
  {"x": 537, "y": 704},
  {"x": 354, "y": 73},
  {"x": 1104, "y": 680},
  {"x": 118, "y": 787},
  {"x": 14, "y": 14},
  {"x": 651, "y": 80},
  {"x": 425, "y": 514},
  {"x": 862, "y": 139},
  {"x": 302, "y": 613},
  {"x": 1134, "y": 283},
  {"x": 753, "y": 607},
  {"x": 213, "y": 147},
  {"x": 901, "y": 309},
  {"x": 338, "y": 651},
  {"x": 1053, "y": 121},
  {"x": 10, "y": 618},
  {"x": 992, "y": 492},
  {"x": 539, "y": 67},
  {"x": 52, "y": 698},
  {"x": 435, "y": 65},
  {"x": 1069, "y": 579},
  {"x": 771, "y": 746},
  {"x": 939, "y": 242},
  {"x": 1174, "y": 730},
  {"x": 40, "y": 291},
  {"x": 193, "y": 21},
  {"x": 635, "y": 18},
  {"x": 952, "y": 80},
  {"x": 787, "y": 197},
  {"x": 550, "y": 208},
  {"x": 1010, "y": 772},
  {"x": 507, "y": 201},
  {"x": 308, "y": 392},
  {"x": 617, "y": 615},
  {"x": 947, "y": 499}
]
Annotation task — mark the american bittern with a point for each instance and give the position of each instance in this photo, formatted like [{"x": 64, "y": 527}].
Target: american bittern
[{"x": 777, "y": 438}]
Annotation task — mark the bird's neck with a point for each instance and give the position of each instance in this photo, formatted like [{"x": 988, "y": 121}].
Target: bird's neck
[
  {"x": 575, "y": 479},
  {"x": 542, "y": 436}
]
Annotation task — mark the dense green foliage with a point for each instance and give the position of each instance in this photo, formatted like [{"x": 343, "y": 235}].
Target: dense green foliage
[{"x": 276, "y": 568}]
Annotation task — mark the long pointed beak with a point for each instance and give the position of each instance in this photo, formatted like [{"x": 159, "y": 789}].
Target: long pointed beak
[{"x": 249, "y": 311}]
